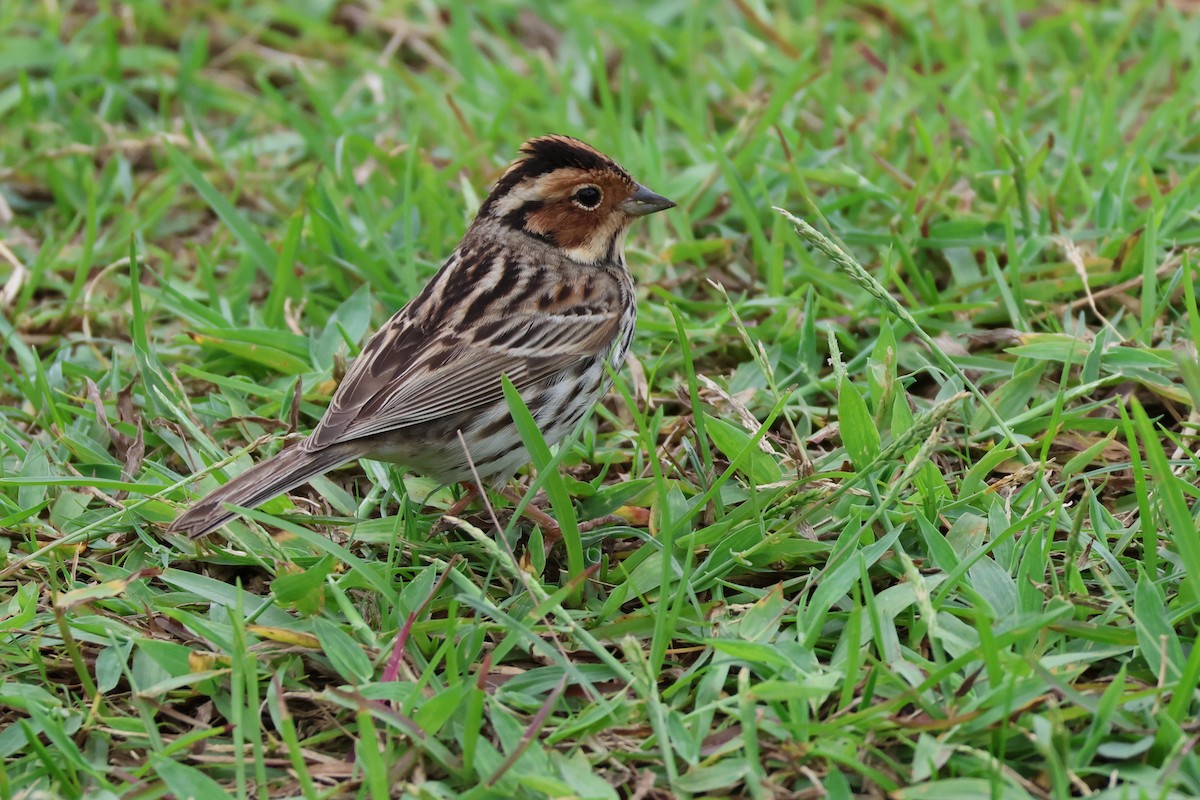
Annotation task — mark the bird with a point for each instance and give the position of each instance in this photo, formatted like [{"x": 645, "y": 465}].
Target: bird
[{"x": 537, "y": 290}]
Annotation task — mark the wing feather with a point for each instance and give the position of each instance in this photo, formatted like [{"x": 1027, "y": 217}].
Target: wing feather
[{"x": 410, "y": 377}]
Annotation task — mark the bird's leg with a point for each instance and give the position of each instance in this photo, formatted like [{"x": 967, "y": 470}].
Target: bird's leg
[
  {"x": 531, "y": 511},
  {"x": 470, "y": 492},
  {"x": 550, "y": 525},
  {"x": 456, "y": 509},
  {"x": 534, "y": 514},
  {"x": 550, "y": 529}
]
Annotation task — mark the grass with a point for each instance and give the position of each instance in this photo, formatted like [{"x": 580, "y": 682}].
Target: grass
[{"x": 907, "y": 473}]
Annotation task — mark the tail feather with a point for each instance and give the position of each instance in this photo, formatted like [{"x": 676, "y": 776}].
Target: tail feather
[{"x": 257, "y": 485}]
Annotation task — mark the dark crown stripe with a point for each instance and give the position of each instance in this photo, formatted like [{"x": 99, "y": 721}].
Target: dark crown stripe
[{"x": 546, "y": 154}]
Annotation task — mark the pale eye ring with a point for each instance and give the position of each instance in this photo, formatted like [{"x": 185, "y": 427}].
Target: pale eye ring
[{"x": 588, "y": 197}]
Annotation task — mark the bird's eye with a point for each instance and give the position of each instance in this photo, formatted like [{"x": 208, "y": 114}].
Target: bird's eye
[{"x": 588, "y": 196}]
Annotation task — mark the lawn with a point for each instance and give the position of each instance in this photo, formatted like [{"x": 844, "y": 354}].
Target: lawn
[{"x": 905, "y": 456}]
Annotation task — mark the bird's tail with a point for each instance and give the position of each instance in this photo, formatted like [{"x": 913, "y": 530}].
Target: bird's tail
[{"x": 260, "y": 483}]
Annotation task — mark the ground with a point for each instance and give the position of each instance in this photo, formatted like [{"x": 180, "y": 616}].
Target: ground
[{"x": 904, "y": 477}]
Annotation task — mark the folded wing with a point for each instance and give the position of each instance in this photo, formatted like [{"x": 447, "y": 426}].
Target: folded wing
[{"x": 406, "y": 377}]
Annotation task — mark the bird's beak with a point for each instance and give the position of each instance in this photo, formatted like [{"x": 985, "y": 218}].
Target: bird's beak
[{"x": 645, "y": 202}]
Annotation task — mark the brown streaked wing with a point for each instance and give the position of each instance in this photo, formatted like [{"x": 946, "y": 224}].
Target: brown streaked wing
[{"x": 449, "y": 374}]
